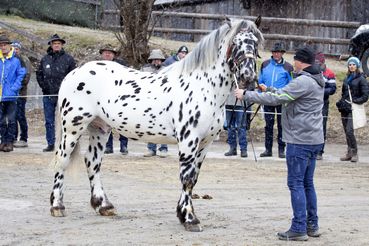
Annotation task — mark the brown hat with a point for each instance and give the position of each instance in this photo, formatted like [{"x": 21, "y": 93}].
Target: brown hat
[
  {"x": 4, "y": 40},
  {"x": 55, "y": 37},
  {"x": 108, "y": 47}
]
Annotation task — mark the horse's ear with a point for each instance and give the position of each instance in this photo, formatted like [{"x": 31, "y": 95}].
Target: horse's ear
[{"x": 258, "y": 21}]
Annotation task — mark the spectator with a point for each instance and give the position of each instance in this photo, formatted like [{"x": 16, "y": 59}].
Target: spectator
[
  {"x": 181, "y": 53},
  {"x": 109, "y": 53},
  {"x": 11, "y": 76},
  {"x": 356, "y": 84},
  {"x": 329, "y": 89},
  {"x": 236, "y": 122},
  {"x": 21, "y": 101},
  {"x": 155, "y": 60},
  {"x": 54, "y": 66},
  {"x": 275, "y": 73},
  {"x": 302, "y": 123}
]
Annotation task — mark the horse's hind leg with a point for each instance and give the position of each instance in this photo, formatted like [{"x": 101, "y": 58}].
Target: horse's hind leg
[
  {"x": 62, "y": 157},
  {"x": 190, "y": 159},
  {"x": 93, "y": 158}
]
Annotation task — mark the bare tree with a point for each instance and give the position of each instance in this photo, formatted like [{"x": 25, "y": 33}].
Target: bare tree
[{"x": 134, "y": 34}]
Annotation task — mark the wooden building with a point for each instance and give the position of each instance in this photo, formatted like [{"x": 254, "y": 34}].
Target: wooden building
[{"x": 336, "y": 10}]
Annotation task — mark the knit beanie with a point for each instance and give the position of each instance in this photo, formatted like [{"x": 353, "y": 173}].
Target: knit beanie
[
  {"x": 183, "y": 49},
  {"x": 305, "y": 55},
  {"x": 355, "y": 61}
]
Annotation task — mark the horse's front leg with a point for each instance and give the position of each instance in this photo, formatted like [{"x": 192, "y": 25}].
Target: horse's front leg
[
  {"x": 190, "y": 164},
  {"x": 93, "y": 158}
]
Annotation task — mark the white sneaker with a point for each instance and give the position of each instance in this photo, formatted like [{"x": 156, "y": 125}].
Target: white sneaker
[
  {"x": 20, "y": 144},
  {"x": 150, "y": 153},
  {"x": 163, "y": 153}
]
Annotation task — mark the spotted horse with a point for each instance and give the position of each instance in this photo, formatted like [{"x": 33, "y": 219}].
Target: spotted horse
[{"x": 182, "y": 104}]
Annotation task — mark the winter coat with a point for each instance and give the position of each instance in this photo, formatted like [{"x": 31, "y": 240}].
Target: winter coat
[
  {"x": 11, "y": 76},
  {"x": 25, "y": 62},
  {"x": 302, "y": 103},
  {"x": 359, "y": 92},
  {"x": 170, "y": 60},
  {"x": 52, "y": 70},
  {"x": 276, "y": 75},
  {"x": 150, "y": 68},
  {"x": 121, "y": 62}
]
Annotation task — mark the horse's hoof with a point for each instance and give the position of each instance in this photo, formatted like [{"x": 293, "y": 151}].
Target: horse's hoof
[
  {"x": 107, "y": 211},
  {"x": 57, "y": 212},
  {"x": 192, "y": 227}
]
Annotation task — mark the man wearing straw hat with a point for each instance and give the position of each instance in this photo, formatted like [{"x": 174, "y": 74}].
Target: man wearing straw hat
[{"x": 155, "y": 60}]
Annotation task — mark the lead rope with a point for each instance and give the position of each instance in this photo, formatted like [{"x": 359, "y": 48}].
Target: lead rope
[{"x": 244, "y": 113}]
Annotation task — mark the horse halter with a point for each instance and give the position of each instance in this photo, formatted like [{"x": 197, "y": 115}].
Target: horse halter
[{"x": 235, "y": 61}]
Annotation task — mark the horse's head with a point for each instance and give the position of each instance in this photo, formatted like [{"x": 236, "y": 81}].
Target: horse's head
[{"x": 242, "y": 58}]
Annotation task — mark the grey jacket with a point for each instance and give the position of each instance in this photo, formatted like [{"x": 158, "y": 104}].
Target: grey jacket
[{"x": 302, "y": 102}]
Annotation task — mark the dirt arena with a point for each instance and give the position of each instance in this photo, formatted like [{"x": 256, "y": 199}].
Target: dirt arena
[{"x": 250, "y": 200}]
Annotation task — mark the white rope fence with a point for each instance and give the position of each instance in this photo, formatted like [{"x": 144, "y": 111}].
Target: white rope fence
[{"x": 236, "y": 110}]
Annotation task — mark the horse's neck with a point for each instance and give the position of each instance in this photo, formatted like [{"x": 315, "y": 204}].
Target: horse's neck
[{"x": 219, "y": 80}]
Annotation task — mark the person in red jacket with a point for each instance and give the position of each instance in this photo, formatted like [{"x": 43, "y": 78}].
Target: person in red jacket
[{"x": 329, "y": 89}]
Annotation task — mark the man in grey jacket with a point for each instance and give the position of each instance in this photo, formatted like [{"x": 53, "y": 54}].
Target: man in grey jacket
[{"x": 302, "y": 124}]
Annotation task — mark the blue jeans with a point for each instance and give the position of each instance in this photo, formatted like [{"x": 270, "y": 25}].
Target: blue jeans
[
  {"x": 269, "y": 117},
  {"x": 153, "y": 147},
  {"x": 122, "y": 139},
  {"x": 49, "y": 113},
  {"x": 301, "y": 160},
  {"x": 8, "y": 124},
  {"x": 236, "y": 126},
  {"x": 21, "y": 119}
]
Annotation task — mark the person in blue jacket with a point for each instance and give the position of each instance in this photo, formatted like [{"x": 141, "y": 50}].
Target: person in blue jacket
[
  {"x": 275, "y": 73},
  {"x": 11, "y": 76},
  {"x": 181, "y": 53}
]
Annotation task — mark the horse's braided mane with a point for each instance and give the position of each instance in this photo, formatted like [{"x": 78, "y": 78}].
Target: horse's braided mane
[{"x": 205, "y": 53}]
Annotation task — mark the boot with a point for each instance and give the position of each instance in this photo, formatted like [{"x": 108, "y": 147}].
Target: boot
[
  {"x": 49, "y": 148},
  {"x": 243, "y": 153},
  {"x": 354, "y": 156},
  {"x": 266, "y": 153},
  {"x": 348, "y": 155},
  {"x": 281, "y": 153},
  {"x": 2, "y": 147},
  {"x": 231, "y": 151},
  {"x": 8, "y": 147}
]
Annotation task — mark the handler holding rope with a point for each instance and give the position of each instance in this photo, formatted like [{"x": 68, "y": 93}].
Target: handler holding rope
[{"x": 302, "y": 124}]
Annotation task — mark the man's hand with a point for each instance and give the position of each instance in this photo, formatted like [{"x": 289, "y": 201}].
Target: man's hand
[
  {"x": 239, "y": 93},
  {"x": 262, "y": 87}
]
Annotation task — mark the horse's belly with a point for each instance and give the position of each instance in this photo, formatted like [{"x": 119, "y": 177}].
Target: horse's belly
[{"x": 141, "y": 130}]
